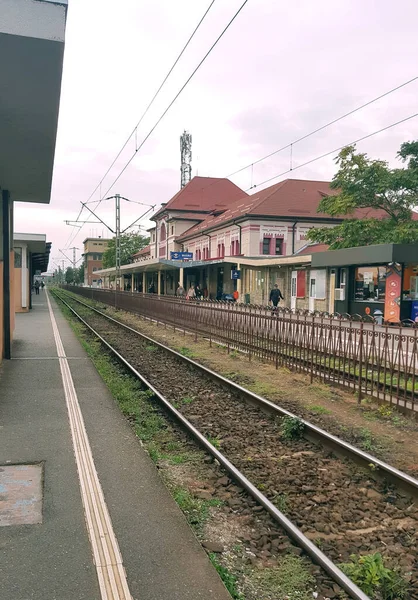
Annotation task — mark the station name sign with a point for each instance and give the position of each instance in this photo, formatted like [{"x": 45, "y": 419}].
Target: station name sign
[{"x": 181, "y": 255}]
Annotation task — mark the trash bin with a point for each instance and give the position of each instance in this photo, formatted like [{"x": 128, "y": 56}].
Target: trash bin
[
  {"x": 378, "y": 315},
  {"x": 247, "y": 298}
]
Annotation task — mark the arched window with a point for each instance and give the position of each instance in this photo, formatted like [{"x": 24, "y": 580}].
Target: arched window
[{"x": 162, "y": 233}]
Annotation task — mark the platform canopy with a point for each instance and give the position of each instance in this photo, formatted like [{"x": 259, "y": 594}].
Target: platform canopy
[{"x": 32, "y": 48}]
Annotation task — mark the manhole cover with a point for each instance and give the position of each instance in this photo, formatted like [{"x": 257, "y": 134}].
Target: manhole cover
[{"x": 20, "y": 494}]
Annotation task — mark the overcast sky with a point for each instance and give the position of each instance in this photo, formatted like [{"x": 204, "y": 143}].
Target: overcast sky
[{"x": 281, "y": 70}]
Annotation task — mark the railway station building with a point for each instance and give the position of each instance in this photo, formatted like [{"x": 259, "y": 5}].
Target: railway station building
[
  {"x": 214, "y": 234},
  {"x": 32, "y": 38}
]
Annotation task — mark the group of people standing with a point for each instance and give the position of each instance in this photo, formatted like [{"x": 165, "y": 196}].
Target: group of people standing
[
  {"x": 194, "y": 292},
  {"x": 38, "y": 285}
]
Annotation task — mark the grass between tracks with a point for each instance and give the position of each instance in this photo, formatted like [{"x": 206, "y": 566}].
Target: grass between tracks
[{"x": 290, "y": 580}]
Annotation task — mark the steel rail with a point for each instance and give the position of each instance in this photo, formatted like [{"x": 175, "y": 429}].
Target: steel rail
[
  {"x": 312, "y": 432},
  {"x": 294, "y": 532}
]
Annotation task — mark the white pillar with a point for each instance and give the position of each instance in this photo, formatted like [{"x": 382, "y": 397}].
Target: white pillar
[
  {"x": 159, "y": 283},
  {"x": 181, "y": 277},
  {"x": 25, "y": 277},
  {"x": 132, "y": 282}
]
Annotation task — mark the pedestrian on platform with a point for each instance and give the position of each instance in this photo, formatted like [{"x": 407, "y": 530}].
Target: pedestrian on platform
[
  {"x": 275, "y": 297},
  {"x": 235, "y": 295},
  {"x": 198, "y": 292},
  {"x": 180, "y": 291},
  {"x": 191, "y": 294},
  {"x": 37, "y": 287},
  {"x": 42, "y": 284}
]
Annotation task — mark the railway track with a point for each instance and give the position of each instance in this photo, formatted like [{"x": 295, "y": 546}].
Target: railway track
[
  {"x": 329, "y": 499},
  {"x": 383, "y": 372}
]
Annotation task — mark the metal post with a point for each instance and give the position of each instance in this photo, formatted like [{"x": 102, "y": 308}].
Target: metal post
[
  {"x": 117, "y": 244},
  {"x": 6, "y": 273},
  {"x": 360, "y": 375}
]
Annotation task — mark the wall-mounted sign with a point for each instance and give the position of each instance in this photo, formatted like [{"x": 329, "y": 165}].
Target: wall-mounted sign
[
  {"x": 181, "y": 255},
  {"x": 235, "y": 274}
]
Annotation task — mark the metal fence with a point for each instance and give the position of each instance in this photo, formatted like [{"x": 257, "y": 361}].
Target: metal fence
[{"x": 370, "y": 359}]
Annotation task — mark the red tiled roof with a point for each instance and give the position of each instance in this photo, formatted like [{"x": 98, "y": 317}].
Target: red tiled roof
[
  {"x": 204, "y": 194},
  {"x": 313, "y": 249},
  {"x": 289, "y": 199},
  {"x": 144, "y": 250}
]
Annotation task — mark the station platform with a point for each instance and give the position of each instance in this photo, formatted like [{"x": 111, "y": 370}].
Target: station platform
[{"x": 84, "y": 514}]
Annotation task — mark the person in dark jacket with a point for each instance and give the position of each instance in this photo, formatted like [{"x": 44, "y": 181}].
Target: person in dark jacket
[{"x": 275, "y": 297}]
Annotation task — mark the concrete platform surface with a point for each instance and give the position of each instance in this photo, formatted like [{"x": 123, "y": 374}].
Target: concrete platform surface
[{"x": 53, "y": 560}]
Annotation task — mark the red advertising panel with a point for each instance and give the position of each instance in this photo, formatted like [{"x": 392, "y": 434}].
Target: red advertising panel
[
  {"x": 393, "y": 293},
  {"x": 300, "y": 289}
]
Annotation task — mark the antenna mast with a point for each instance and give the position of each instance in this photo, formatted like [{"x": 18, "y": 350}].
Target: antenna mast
[{"x": 186, "y": 158}]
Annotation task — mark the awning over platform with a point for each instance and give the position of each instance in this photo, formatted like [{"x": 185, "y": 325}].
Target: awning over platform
[{"x": 38, "y": 247}]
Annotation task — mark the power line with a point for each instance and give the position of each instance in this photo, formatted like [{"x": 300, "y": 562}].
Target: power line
[
  {"x": 154, "y": 97},
  {"x": 365, "y": 137},
  {"x": 147, "y": 108},
  {"x": 176, "y": 96},
  {"x": 304, "y": 137}
]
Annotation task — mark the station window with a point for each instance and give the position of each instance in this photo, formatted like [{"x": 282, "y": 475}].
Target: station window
[
  {"x": 162, "y": 233},
  {"x": 18, "y": 258},
  {"x": 266, "y": 245},
  {"x": 370, "y": 284},
  {"x": 279, "y": 246}
]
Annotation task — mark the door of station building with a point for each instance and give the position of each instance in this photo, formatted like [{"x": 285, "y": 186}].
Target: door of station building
[{"x": 293, "y": 288}]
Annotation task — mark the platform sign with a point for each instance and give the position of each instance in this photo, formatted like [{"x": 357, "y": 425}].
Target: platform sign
[
  {"x": 235, "y": 274},
  {"x": 181, "y": 255}
]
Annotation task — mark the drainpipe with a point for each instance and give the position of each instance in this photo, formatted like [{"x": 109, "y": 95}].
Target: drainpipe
[
  {"x": 6, "y": 273},
  {"x": 293, "y": 236}
]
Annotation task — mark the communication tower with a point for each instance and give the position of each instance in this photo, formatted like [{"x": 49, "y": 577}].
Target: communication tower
[{"x": 186, "y": 158}]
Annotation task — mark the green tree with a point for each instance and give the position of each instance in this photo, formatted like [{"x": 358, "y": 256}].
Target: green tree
[
  {"x": 363, "y": 183},
  {"x": 130, "y": 243},
  {"x": 69, "y": 275},
  {"x": 80, "y": 273}
]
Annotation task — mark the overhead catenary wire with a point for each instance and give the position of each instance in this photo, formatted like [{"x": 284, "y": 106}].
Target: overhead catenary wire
[
  {"x": 176, "y": 96},
  {"x": 318, "y": 129},
  {"x": 135, "y": 129},
  {"x": 308, "y": 162},
  {"x": 309, "y": 134}
]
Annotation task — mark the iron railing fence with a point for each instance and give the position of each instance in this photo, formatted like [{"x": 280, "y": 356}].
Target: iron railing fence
[{"x": 368, "y": 358}]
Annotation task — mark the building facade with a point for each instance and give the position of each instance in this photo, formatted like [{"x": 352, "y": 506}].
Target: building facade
[
  {"x": 214, "y": 235},
  {"x": 94, "y": 249},
  {"x": 31, "y": 255}
]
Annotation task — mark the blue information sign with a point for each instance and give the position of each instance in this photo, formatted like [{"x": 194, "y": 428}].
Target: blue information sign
[
  {"x": 235, "y": 274},
  {"x": 181, "y": 255}
]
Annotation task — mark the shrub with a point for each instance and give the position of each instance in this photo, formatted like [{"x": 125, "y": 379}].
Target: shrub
[
  {"x": 376, "y": 580},
  {"x": 292, "y": 428}
]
